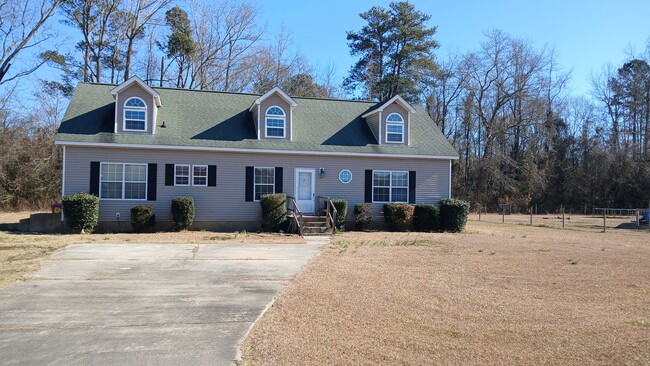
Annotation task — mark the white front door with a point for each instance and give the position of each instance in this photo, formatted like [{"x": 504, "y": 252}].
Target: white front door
[{"x": 305, "y": 189}]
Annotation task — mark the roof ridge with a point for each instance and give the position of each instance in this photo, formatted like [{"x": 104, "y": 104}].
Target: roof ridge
[{"x": 237, "y": 93}]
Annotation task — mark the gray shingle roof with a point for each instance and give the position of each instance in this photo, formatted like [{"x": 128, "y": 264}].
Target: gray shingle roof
[{"x": 222, "y": 120}]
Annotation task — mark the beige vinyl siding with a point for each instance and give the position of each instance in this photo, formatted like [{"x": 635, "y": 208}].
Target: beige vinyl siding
[
  {"x": 134, "y": 91},
  {"x": 394, "y": 108},
  {"x": 226, "y": 202},
  {"x": 373, "y": 122},
  {"x": 272, "y": 100},
  {"x": 255, "y": 113}
]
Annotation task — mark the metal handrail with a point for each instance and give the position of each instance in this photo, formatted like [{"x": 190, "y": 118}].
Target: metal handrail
[
  {"x": 297, "y": 214},
  {"x": 330, "y": 215}
]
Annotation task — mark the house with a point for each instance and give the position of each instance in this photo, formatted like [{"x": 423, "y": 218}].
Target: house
[{"x": 132, "y": 144}]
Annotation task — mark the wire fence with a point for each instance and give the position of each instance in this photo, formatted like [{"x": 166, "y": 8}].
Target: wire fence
[{"x": 600, "y": 219}]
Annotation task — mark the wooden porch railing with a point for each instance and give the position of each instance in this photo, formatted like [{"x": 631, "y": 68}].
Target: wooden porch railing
[
  {"x": 296, "y": 215},
  {"x": 330, "y": 212}
]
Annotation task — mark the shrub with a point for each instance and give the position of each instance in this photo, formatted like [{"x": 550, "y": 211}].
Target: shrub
[
  {"x": 453, "y": 215},
  {"x": 362, "y": 216},
  {"x": 426, "y": 218},
  {"x": 142, "y": 217},
  {"x": 182, "y": 212},
  {"x": 341, "y": 212},
  {"x": 274, "y": 211},
  {"x": 398, "y": 216},
  {"x": 81, "y": 211}
]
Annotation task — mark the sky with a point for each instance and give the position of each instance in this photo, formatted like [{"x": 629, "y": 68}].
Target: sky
[{"x": 585, "y": 34}]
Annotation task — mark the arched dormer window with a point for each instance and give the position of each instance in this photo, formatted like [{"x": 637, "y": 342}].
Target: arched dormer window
[
  {"x": 275, "y": 121},
  {"x": 395, "y": 128},
  {"x": 135, "y": 115}
]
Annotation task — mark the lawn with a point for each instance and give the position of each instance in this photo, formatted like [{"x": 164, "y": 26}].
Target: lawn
[
  {"x": 22, "y": 253},
  {"x": 496, "y": 294}
]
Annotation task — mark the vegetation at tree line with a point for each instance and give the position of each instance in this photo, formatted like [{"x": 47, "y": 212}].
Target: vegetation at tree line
[{"x": 505, "y": 106}]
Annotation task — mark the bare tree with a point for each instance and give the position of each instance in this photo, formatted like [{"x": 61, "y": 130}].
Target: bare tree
[
  {"x": 94, "y": 19},
  {"x": 138, "y": 14},
  {"x": 21, "y": 26}
]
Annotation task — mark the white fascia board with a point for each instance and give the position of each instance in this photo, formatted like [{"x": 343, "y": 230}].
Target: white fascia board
[
  {"x": 249, "y": 151},
  {"x": 277, "y": 90},
  {"x": 156, "y": 97},
  {"x": 397, "y": 99},
  {"x": 63, "y": 182}
]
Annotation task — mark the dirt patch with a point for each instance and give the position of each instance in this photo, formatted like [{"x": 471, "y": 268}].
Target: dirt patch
[
  {"x": 23, "y": 253},
  {"x": 497, "y": 294}
]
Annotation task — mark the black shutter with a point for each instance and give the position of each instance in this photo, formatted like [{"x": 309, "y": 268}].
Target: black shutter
[
  {"x": 412, "y": 186},
  {"x": 250, "y": 176},
  {"x": 94, "y": 178},
  {"x": 152, "y": 181},
  {"x": 212, "y": 175},
  {"x": 169, "y": 174},
  {"x": 368, "y": 196},
  {"x": 278, "y": 180}
]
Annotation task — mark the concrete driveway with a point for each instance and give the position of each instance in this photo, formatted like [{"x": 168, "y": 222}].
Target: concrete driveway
[{"x": 144, "y": 304}]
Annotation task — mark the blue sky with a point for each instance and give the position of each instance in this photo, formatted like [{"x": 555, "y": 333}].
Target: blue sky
[{"x": 585, "y": 34}]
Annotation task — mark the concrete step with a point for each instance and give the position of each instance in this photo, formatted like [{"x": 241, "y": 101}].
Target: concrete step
[
  {"x": 24, "y": 225},
  {"x": 316, "y": 230}
]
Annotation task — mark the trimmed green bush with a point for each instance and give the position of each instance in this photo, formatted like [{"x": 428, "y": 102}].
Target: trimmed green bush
[
  {"x": 453, "y": 215},
  {"x": 81, "y": 211},
  {"x": 398, "y": 216},
  {"x": 142, "y": 217},
  {"x": 274, "y": 211},
  {"x": 182, "y": 212},
  {"x": 426, "y": 218},
  {"x": 342, "y": 211},
  {"x": 362, "y": 216}
]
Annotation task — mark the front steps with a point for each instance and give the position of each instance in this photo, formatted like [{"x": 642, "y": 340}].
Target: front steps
[{"x": 315, "y": 225}]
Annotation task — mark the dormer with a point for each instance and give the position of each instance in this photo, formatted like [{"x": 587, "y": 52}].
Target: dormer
[
  {"x": 273, "y": 115},
  {"x": 390, "y": 121},
  {"x": 136, "y": 107}
]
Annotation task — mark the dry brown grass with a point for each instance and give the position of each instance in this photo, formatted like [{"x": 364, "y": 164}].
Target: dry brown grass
[
  {"x": 497, "y": 294},
  {"x": 14, "y": 217},
  {"x": 571, "y": 222},
  {"x": 23, "y": 253}
]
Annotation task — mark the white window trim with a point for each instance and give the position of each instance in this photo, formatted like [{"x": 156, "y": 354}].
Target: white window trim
[
  {"x": 146, "y": 182},
  {"x": 139, "y": 109},
  {"x": 275, "y": 116},
  {"x": 188, "y": 176},
  {"x": 191, "y": 175},
  {"x": 207, "y": 174},
  {"x": 341, "y": 180},
  {"x": 390, "y": 185},
  {"x": 255, "y": 184},
  {"x": 394, "y": 123}
]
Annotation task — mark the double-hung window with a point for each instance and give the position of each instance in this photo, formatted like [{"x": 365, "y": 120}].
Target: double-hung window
[
  {"x": 264, "y": 182},
  {"x": 190, "y": 175},
  {"x": 135, "y": 115},
  {"x": 199, "y": 175},
  {"x": 275, "y": 122},
  {"x": 390, "y": 186},
  {"x": 394, "y": 128},
  {"x": 123, "y": 181},
  {"x": 181, "y": 175}
]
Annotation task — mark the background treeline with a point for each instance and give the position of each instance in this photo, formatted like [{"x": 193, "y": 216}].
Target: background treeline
[
  {"x": 507, "y": 106},
  {"x": 524, "y": 140}
]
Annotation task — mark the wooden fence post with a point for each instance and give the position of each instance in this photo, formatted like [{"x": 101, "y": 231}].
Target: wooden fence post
[
  {"x": 604, "y": 221},
  {"x": 531, "y": 215},
  {"x": 562, "y": 216}
]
